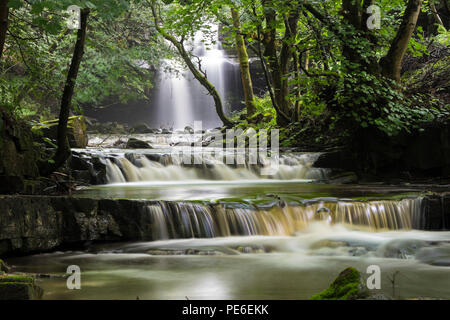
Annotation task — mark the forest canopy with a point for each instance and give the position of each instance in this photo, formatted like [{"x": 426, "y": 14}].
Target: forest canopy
[{"x": 330, "y": 67}]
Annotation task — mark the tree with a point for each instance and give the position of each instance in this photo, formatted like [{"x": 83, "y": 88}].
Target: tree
[
  {"x": 243, "y": 63},
  {"x": 63, "y": 151},
  {"x": 4, "y": 12},
  {"x": 391, "y": 64},
  {"x": 279, "y": 61}
]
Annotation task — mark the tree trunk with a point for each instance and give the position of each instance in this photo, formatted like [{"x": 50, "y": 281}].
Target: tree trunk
[
  {"x": 436, "y": 14},
  {"x": 247, "y": 84},
  {"x": 271, "y": 56},
  {"x": 391, "y": 64},
  {"x": 286, "y": 57},
  {"x": 63, "y": 150},
  {"x": 195, "y": 71},
  {"x": 352, "y": 13},
  {"x": 4, "y": 12}
]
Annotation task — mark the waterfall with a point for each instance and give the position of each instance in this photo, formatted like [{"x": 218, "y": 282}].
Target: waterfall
[
  {"x": 178, "y": 220},
  {"x": 181, "y": 99},
  {"x": 169, "y": 167}
]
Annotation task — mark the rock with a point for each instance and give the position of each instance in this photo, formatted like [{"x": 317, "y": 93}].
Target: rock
[
  {"x": 188, "y": 130},
  {"x": 347, "y": 286},
  {"x": 3, "y": 266},
  {"x": 166, "y": 131},
  {"x": 142, "y": 128},
  {"x": 379, "y": 296},
  {"x": 11, "y": 184},
  {"x": 328, "y": 244},
  {"x": 77, "y": 132},
  {"x": 134, "y": 143},
  {"x": 401, "y": 248},
  {"x": 19, "y": 288},
  {"x": 120, "y": 144},
  {"x": 19, "y": 154},
  {"x": 435, "y": 256},
  {"x": 343, "y": 178},
  {"x": 434, "y": 212}
]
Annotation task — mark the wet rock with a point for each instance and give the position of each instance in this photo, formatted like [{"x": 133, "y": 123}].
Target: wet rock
[
  {"x": 250, "y": 249},
  {"x": 81, "y": 176},
  {"x": 379, "y": 296},
  {"x": 434, "y": 212},
  {"x": 19, "y": 288},
  {"x": 134, "y": 143},
  {"x": 89, "y": 170},
  {"x": 188, "y": 130},
  {"x": 436, "y": 256},
  {"x": 349, "y": 285},
  {"x": 120, "y": 144},
  {"x": 328, "y": 244},
  {"x": 401, "y": 248},
  {"x": 142, "y": 128}
]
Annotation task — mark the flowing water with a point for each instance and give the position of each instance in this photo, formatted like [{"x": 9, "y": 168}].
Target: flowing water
[
  {"x": 225, "y": 231},
  {"x": 255, "y": 267},
  {"x": 181, "y": 100}
]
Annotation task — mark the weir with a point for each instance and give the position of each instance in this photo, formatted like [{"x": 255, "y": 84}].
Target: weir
[
  {"x": 175, "y": 220},
  {"x": 133, "y": 167}
]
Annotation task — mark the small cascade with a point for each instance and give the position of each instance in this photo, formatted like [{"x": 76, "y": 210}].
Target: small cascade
[
  {"x": 135, "y": 167},
  {"x": 179, "y": 220}
]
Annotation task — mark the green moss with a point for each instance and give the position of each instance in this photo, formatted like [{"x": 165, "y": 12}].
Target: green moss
[
  {"x": 3, "y": 266},
  {"x": 347, "y": 286},
  {"x": 16, "y": 279}
]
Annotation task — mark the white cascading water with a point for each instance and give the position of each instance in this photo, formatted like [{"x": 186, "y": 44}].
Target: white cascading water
[
  {"x": 181, "y": 98},
  {"x": 170, "y": 168},
  {"x": 187, "y": 220}
]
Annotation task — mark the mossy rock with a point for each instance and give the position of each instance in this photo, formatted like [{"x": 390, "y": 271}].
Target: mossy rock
[
  {"x": 19, "y": 288},
  {"x": 347, "y": 286},
  {"x": 3, "y": 266},
  {"x": 76, "y": 126}
]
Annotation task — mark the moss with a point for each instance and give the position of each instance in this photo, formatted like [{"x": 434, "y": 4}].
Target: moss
[
  {"x": 3, "y": 266},
  {"x": 16, "y": 279},
  {"x": 76, "y": 130},
  {"x": 347, "y": 286}
]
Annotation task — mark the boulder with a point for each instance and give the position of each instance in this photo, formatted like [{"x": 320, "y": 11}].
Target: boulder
[
  {"x": 19, "y": 288},
  {"x": 347, "y": 286},
  {"x": 77, "y": 133},
  {"x": 134, "y": 143},
  {"x": 188, "y": 130},
  {"x": 142, "y": 128}
]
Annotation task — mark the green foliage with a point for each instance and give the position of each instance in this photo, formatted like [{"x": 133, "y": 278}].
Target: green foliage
[
  {"x": 331, "y": 89},
  {"x": 444, "y": 36},
  {"x": 40, "y": 47}
]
